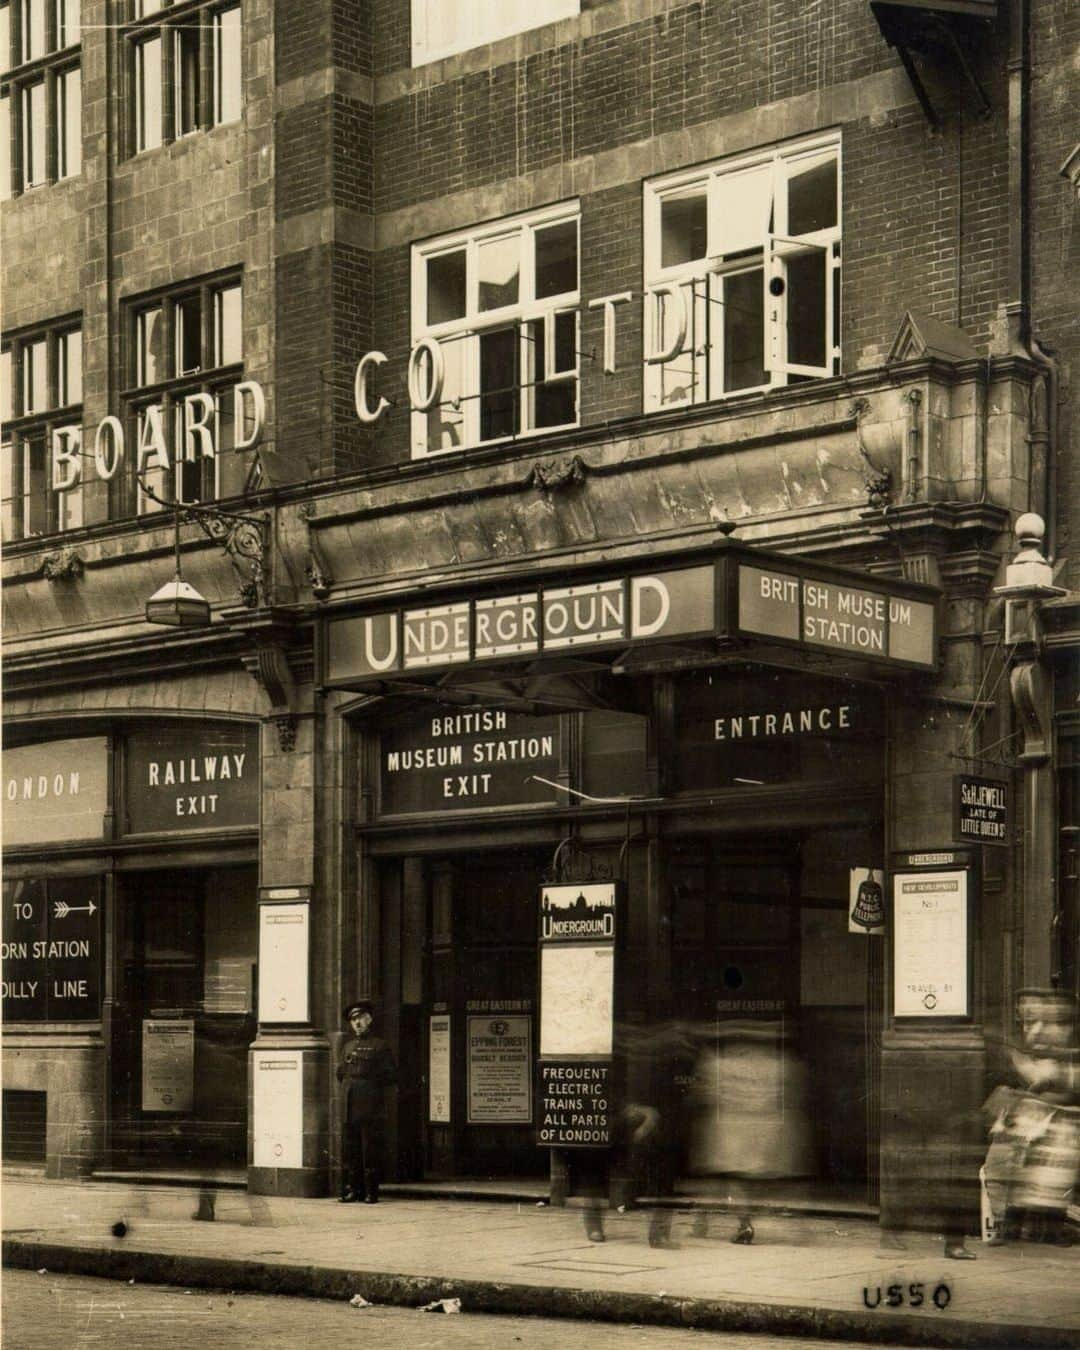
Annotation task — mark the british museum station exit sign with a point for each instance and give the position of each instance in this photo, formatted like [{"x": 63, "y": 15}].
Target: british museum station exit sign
[{"x": 735, "y": 592}]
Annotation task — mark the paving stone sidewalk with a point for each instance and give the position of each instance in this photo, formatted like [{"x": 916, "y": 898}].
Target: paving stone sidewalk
[{"x": 803, "y": 1275}]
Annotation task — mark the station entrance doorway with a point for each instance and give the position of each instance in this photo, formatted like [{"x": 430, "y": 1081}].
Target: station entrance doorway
[
  {"x": 780, "y": 1006},
  {"x": 460, "y": 974}
]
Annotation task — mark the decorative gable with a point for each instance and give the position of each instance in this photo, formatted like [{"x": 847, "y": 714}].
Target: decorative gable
[{"x": 919, "y": 335}]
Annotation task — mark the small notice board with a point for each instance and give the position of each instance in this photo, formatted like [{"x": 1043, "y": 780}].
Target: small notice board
[{"x": 932, "y": 957}]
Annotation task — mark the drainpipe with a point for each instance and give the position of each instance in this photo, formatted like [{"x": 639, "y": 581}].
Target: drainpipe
[
  {"x": 1030, "y": 676},
  {"x": 1042, "y": 439}
]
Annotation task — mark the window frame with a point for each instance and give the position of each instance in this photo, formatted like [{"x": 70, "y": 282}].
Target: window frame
[
  {"x": 774, "y": 166},
  {"x": 177, "y": 117},
  {"x": 27, "y": 514},
  {"x": 21, "y": 74},
  {"x": 170, "y": 386},
  {"x": 485, "y": 29},
  {"x": 476, "y": 323}
]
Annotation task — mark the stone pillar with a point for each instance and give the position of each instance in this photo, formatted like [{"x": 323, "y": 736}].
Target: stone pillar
[
  {"x": 1029, "y": 580},
  {"x": 933, "y": 1074},
  {"x": 289, "y": 1062}
]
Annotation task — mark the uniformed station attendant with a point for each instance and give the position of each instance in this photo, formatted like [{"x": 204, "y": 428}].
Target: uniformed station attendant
[{"x": 366, "y": 1067}]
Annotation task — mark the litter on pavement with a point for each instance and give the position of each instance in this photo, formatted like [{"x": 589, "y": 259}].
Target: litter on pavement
[{"x": 445, "y": 1305}]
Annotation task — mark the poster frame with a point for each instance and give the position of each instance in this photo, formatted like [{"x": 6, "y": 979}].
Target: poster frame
[
  {"x": 525, "y": 1017},
  {"x": 926, "y": 863}
]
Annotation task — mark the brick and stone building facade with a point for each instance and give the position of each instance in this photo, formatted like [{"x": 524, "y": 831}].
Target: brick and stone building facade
[{"x": 712, "y": 355}]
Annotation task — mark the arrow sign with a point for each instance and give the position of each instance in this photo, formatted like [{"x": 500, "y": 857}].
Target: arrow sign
[{"x": 62, "y": 908}]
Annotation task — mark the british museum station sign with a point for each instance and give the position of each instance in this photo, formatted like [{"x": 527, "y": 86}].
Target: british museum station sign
[{"x": 736, "y": 594}]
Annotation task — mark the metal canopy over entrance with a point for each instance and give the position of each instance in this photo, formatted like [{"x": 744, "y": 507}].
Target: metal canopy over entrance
[{"x": 548, "y": 645}]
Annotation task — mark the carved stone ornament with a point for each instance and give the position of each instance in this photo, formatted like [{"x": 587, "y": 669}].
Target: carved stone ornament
[
  {"x": 1031, "y": 696},
  {"x": 63, "y": 565},
  {"x": 878, "y": 480},
  {"x": 286, "y": 730},
  {"x": 553, "y": 475},
  {"x": 315, "y": 569}
]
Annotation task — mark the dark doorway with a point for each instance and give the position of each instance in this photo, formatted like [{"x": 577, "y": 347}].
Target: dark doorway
[{"x": 185, "y": 1017}]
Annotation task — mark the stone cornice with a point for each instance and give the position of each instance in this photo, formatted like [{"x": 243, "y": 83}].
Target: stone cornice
[{"x": 511, "y": 466}]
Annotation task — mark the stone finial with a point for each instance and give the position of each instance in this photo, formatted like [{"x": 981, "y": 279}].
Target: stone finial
[{"x": 1029, "y": 576}]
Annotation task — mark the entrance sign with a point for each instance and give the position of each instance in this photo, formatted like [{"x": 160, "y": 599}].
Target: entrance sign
[
  {"x": 168, "y": 1064},
  {"x": 459, "y": 761},
  {"x": 500, "y": 1070},
  {"x": 980, "y": 810},
  {"x": 56, "y": 791},
  {"x": 931, "y": 975},
  {"x": 52, "y": 950},
  {"x": 284, "y": 938},
  {"x": 278, "y": 1108},
  {"x": 439, "y": 1069},
  {"x": 729, "y": 591},
  {"x": 814, "y": 611},
  {"x": 773, "y": 726},
  {"x": 866, "y": 900},
  {"x": 184, "y": 776}
]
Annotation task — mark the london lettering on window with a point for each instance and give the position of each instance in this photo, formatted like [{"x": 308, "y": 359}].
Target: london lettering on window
[
  {"x": 742, "y": 264},
  {"x": 495, "y": 332}
]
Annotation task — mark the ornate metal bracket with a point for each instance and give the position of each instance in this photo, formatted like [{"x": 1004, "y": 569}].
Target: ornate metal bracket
[
  {"x": 63, "y": 565},
  {"x": 241, "y": 537},
  {"x": 571, "y": 863},
  {"x": 244, "y": 539},
  {"x": 553, "y": 475}
]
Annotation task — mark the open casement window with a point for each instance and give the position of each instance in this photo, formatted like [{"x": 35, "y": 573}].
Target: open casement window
[
  {"x": 742, "y": 276},
  {"x": 495, "y": 333}
]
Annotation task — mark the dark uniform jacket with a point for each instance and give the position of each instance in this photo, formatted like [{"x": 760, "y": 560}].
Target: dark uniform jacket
[{"x": 366, "y": 1067}]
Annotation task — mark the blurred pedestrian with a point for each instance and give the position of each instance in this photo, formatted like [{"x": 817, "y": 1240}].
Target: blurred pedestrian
[
  {"x": 639, "y": 1148},
  {"x": 366, "y": 1068},
  {"x": 1032, "y": 1166},
  {"x": 749, "y": 1115}
]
